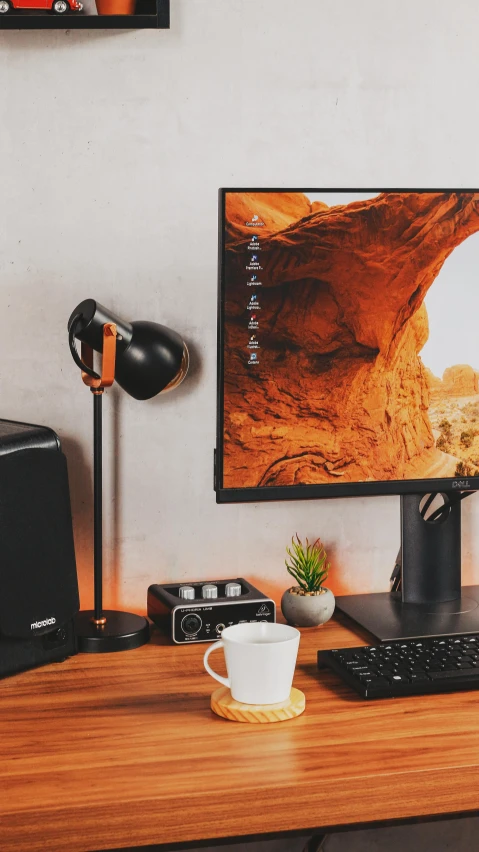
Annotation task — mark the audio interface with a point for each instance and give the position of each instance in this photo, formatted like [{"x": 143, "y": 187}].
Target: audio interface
[{"x": 199, "y": 612}]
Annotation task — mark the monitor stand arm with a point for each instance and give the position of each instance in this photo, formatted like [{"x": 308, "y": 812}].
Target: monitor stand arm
[
  {"x": 431, "y": 601},
  {"x": 431, "y": 554}
]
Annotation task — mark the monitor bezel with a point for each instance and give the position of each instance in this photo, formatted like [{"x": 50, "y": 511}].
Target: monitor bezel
[{"x": 322, "y": 490}]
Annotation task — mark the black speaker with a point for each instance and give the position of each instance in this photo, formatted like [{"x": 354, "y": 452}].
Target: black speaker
[{"x": 38, "y": 579}]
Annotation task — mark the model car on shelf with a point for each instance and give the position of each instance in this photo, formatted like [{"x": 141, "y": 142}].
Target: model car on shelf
[{"x": 59, "y": 7}]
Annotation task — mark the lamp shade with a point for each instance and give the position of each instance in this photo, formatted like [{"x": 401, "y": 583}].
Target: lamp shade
[{"x": 150, "y": 358}]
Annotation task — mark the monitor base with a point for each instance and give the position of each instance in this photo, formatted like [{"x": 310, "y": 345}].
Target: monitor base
[{"x": 387, "y": 618}]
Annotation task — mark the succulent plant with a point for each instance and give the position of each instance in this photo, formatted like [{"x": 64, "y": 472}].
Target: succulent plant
[{"x": 307, "y": 564}]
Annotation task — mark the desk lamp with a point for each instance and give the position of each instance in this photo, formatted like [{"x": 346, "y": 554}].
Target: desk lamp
[{"x": 145, "y": 359}]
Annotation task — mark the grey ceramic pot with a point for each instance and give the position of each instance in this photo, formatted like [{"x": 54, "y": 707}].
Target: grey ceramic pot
[{"x": 307, "y": 610}]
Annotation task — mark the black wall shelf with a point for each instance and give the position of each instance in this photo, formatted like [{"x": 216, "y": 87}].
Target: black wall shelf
[{"x": 150, "y": 14}]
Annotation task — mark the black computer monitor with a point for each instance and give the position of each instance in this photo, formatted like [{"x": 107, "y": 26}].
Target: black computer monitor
[{"x": 349, "y": 365}]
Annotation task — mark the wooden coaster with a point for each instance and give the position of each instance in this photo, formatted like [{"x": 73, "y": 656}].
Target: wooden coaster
[{"x": 224, "y": 705}]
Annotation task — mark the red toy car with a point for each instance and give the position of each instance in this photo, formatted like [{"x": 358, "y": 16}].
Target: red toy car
[{"x": 57, "y": 6}]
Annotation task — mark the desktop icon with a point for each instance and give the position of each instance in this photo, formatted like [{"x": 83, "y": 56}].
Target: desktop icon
[
  {"x": 254, "y": 244},
  {"x": 255, "y": 222},
  {"x": 253, "y": 264}
]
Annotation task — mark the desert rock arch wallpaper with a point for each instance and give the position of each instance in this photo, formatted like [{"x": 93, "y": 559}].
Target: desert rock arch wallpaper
[{"x": 323, "y": 333}]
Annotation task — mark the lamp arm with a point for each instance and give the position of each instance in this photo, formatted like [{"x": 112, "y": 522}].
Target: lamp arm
[{"x": 73, "y": 349}]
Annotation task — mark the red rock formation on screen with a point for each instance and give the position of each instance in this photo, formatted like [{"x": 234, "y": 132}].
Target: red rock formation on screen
[
  {"x": 460, "y": 380},
  {"x": 339, "y": 391},
  {"x": 434, "y": 383}
]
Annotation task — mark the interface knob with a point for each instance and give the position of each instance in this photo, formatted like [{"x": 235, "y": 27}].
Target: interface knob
[
  {"x": 186, "y": 592},
  {"x": 209, "y": 591},
  {"x": 191, "y": 624},
  {"x": 233, "y": 590}
]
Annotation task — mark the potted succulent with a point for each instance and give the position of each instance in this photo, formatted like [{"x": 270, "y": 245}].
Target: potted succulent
[{"x": 309, "y": 603}]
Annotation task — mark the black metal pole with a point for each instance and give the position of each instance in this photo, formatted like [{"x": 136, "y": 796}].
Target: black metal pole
[{"x": 97, "y": 503}]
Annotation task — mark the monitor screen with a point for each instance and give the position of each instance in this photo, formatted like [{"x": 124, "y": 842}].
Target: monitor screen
[{"x": 348, "y": 342}]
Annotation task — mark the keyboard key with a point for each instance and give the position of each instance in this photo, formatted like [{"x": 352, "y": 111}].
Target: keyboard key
[{"x": 454, "y": 673}]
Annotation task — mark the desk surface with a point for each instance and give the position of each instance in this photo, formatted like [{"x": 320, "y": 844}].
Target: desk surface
[{"x": 109, "y": 751}]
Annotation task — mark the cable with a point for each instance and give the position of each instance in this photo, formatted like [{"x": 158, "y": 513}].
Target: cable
[{"x": 395, "y": 578}]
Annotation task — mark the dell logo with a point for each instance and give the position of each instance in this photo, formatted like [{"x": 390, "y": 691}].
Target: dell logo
[
  {"x": 45, "y": 623},
  {"x": 461, "y": 483}
]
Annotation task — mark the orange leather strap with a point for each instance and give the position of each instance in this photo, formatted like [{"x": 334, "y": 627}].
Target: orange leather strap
[{"x": 108, "y": 361}]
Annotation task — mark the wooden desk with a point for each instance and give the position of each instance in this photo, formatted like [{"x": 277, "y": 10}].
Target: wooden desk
[{"x": 119, "y": 750}]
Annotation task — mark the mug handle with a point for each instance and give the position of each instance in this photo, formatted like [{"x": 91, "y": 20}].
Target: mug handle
[{"x": 215, "y": 647}]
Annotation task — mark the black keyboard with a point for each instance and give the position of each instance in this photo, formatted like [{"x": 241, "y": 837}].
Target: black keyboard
[{"x": 410, "y": 667}]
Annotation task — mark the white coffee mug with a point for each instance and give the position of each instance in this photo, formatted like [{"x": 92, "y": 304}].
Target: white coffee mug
[{"x": 260, "y": 660}]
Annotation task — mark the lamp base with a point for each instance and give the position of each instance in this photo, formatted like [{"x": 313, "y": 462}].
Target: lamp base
[{"x": 122, "y": 631}]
